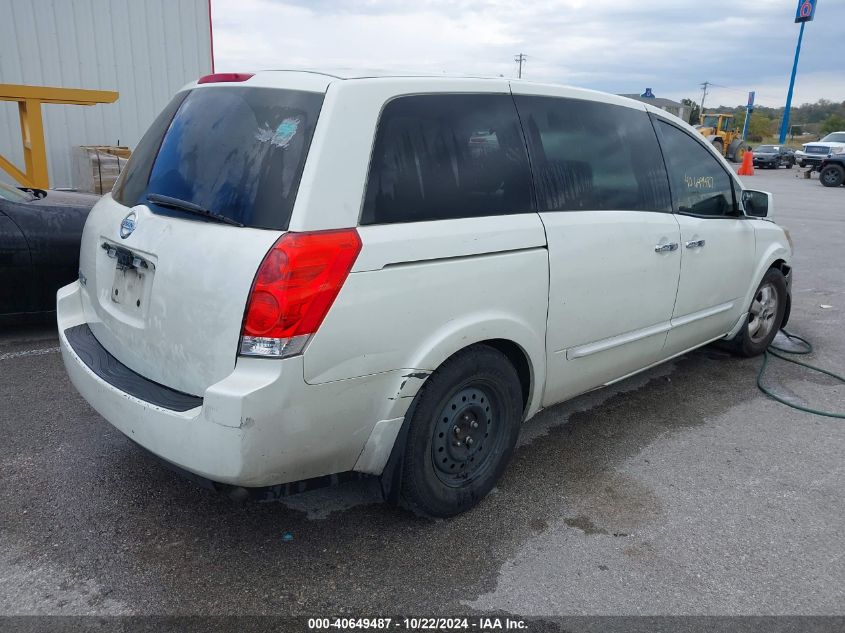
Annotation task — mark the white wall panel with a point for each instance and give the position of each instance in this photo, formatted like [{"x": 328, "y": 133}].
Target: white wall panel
[{"x": 144, "y": 49}]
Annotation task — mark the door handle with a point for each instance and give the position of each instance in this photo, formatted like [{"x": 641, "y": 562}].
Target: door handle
[
  {"x": 694, "y": 244},
  {"x": 666, "y": 248}
]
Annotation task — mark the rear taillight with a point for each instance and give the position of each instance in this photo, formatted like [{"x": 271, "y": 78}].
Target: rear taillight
[
  {"x": 223, "y": 77},
  {"x": 293, "y": 290}
]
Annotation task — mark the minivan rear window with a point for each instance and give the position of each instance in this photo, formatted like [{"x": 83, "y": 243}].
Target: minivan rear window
[{"x": 235, "y": 151}]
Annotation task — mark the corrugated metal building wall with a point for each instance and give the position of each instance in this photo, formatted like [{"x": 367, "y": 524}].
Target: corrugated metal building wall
[{"x": 144, "y": 49}]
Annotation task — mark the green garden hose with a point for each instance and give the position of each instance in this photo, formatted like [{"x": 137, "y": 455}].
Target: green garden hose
[{"x": 774, "y": 350}]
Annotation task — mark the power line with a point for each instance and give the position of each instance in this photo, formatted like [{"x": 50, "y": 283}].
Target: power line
[
  {"x": 727, "y": 88},
  {"x": 520, "y": 59}
]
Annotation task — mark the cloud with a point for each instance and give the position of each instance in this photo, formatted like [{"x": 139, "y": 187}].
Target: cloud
[{"x": 614, "y": 45}]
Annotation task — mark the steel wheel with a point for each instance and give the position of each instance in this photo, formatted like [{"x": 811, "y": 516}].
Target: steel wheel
[
  {"x": 764, "y": 309},
  {"x": 465, "y": 435},
  {"x": 461, "y": 431}
]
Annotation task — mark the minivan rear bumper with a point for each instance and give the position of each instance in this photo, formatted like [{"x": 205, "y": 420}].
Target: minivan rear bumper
[{"x": 260, "y": 426}]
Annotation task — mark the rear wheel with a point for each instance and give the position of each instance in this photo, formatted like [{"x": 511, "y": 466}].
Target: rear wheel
[
  {"x": 765, "y": 315},
  {"x": 463, "y": 427},
  {"x": 832, "y": 176}
]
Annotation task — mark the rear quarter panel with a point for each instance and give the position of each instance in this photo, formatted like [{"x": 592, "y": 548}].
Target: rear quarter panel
[{"x": 433, "y": 290}]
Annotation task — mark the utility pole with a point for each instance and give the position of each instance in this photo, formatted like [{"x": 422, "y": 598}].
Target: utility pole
[
  {"x": 703, "y": 94},
  {"x": 519, "y": 59}
]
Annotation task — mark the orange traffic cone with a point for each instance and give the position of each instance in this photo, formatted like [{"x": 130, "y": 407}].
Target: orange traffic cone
[{"x": 747, "y": 167}]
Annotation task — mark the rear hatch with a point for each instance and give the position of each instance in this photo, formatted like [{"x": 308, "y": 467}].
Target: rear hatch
[{"x": 167, "y": 260}]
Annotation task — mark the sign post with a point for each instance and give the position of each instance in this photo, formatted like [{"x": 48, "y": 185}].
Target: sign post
[
  {"x": 748, "y": 110},
  {"x": 803, "y": 14}
]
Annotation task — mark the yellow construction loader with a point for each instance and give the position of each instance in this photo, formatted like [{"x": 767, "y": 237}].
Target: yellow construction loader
[{"x": 721, "y": 130}]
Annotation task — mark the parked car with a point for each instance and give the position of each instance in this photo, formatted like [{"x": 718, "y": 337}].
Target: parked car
[
  {"x": 40, "y": 233},
  {"x": 814, "y": 153},
  {"x": 773, "y": 156},
  {"x": 832, "y": 170},
  {"x": 335, "y": 280}
]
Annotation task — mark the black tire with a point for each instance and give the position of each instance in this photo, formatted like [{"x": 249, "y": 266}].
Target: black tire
[
  {"x": 720, "y": 147},
  {"x": 747, "y": 344},
  {"x": 832, "y": 176},
  {"x": 789, "y": 163},
  {"x": 440, "y": 424}
]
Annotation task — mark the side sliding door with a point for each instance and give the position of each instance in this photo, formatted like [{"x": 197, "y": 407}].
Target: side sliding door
[{"x": 614, "y": 259}]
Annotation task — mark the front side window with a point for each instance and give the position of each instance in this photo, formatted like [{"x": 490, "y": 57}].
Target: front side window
[
  {"x": 235, "y": 151},
  {"x": 593, "y": 156},
  {"x": 700, "y": 184},
  {"x": 446, "y": 156}
]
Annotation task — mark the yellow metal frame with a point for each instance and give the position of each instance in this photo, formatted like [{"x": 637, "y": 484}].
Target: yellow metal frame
[{"x": 29, "y": 100}]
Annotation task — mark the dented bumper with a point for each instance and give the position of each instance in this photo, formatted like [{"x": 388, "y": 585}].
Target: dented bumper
[{"x": 262, "y": 425}]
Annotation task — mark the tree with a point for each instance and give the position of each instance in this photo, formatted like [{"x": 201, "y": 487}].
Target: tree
[
  {"x": 833, "y": 123},
  {"x": 759, "y": 127},
  {"x": 694, "y": 111}
]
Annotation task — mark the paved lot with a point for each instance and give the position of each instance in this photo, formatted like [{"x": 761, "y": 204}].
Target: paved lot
[{"x": 683, "y": 490}]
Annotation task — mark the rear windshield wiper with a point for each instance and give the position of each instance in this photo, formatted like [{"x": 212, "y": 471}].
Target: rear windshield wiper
[{"x": 190, "y": 207}]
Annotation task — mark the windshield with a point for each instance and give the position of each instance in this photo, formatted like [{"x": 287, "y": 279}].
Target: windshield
[
  {"x": 767, "y": 149},
  {"x": 13, "y": 194},
  {"x": 835, "y": 137},
  {"x": 236, "y": 152},
  {"x": 711, "y": 121}
]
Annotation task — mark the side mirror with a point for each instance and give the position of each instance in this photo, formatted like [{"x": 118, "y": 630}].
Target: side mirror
[{"x": 757, "y": 203}]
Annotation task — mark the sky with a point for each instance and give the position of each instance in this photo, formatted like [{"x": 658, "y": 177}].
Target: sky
[{"x": 619, "y": 46}]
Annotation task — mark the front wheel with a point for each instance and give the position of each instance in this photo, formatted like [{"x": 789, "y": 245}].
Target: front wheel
[
  {"x": 832, "y": 176},
  {"x": 464, "y": 424},
  {"x": 765, "y": 315}
]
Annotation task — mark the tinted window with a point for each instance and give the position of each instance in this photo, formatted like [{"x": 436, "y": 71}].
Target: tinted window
[
  {"x": 700, "y": 185},
  {"x": 238, "y": 152},
  {"x": 589, "y": 155},
  {"x": 132, "y": 183},
  {"x": 447, "y": 156}
]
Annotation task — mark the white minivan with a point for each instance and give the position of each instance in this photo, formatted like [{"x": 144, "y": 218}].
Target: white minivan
[{"x": 302, "y": 275}]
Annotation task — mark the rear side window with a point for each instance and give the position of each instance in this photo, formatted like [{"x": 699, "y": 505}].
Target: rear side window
[
  {"x": 593, "y": 156},
  {"x": 238, "y": 152},
  {"x": 439, "y": 157},
  {"x": 700, "y": 184}
]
